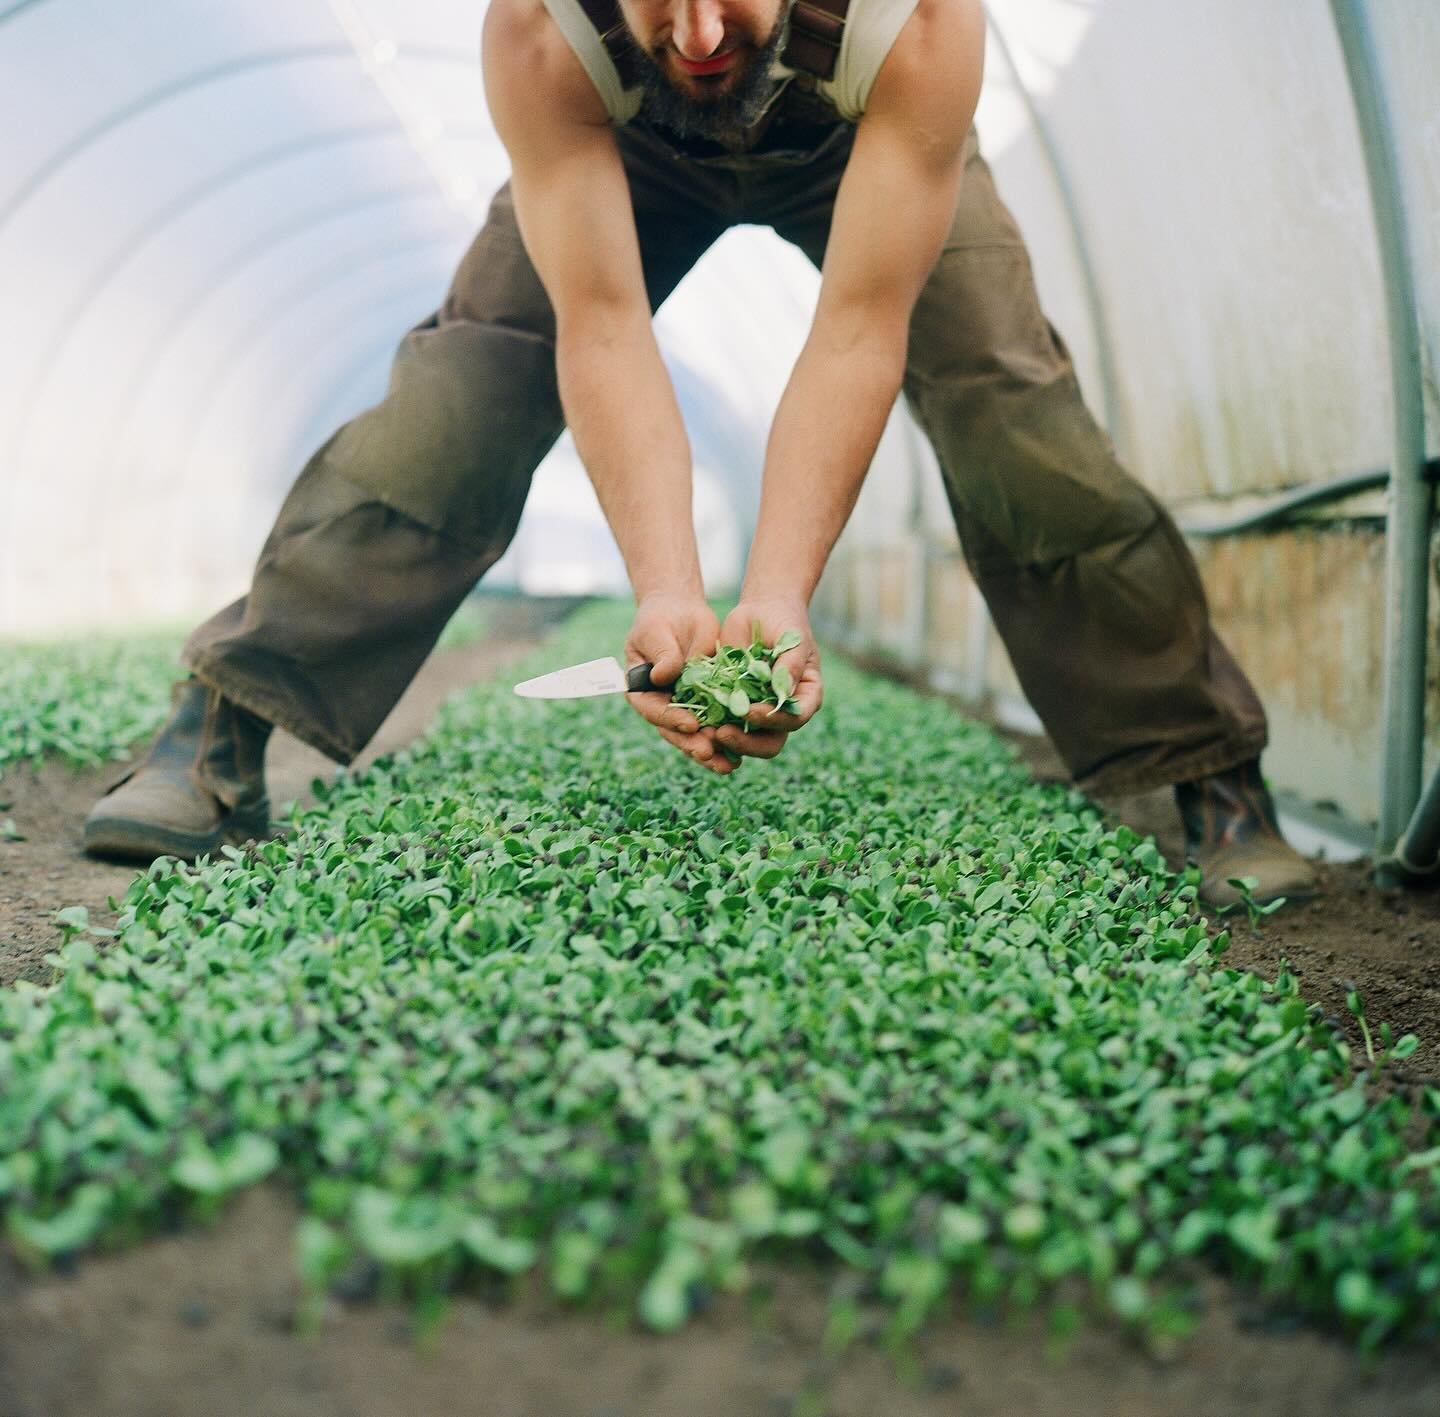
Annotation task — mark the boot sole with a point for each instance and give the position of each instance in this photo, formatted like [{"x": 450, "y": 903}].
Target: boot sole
[{"x": 126, "y": 839}]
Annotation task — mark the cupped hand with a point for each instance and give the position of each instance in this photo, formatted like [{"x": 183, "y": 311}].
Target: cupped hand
[
  {"x": 768, "y": 731},
  {"x": 669, "y": 629}
]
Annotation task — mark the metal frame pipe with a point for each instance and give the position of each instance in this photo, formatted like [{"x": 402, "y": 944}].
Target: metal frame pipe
[
  {"x": 172, "y": 534},
  {"x": 191, "y": 309},
  {"x": 917, "y": 638},
  {"x": 291, "y": 302},
  {"x": 108, "y": 498},
  {"x": 16, "y": 8},
  {"x": 185, "y": 84},
  {"x": 1417, "y": 853},
  {"x": 194, "y": 305},
  {"x": 1411, "y": 497},
  {"x": 1080, "y": 243},
  {"x": 1281, "y": 509},
  {"x": 67, "y": 324}
]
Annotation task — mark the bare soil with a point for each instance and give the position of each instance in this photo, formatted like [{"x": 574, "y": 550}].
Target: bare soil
[{"x": 203, "y": 1321}]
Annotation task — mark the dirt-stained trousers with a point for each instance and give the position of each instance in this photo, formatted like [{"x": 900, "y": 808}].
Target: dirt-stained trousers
[{"x": 397, "y": 516}]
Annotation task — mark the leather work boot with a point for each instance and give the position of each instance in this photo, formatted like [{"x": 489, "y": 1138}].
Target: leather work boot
[
  {"x": 202, "y": 784},
  {"x": 1231, "y": 830}
]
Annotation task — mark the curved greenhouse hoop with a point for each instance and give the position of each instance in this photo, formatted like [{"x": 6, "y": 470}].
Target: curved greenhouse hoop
[
  {"x": 157, "y": 97},
  {"x": 1079, "y": 241},
  {"x": 294, "y": 298},
  {"x": 67, "y": 325}
]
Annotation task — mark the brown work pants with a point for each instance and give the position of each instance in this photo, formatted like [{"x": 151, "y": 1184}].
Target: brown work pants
[{"x": 394, "y": 519}]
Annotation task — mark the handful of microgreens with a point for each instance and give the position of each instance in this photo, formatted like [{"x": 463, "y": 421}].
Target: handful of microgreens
[{"x": 723, "y": 687}]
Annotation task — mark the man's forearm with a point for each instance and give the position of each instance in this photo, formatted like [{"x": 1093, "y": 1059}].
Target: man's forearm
[
  {"x": 824, "y": 436},
  {"x": 621, "y": 408}
]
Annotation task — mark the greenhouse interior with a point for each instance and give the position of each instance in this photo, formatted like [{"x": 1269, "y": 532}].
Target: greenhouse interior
[{"x": 392, "y": 1021}]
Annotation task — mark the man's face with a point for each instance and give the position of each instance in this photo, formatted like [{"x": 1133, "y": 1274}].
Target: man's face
[{"x": 709, "y": 60}]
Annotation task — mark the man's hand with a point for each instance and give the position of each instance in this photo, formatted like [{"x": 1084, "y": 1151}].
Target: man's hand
[
  {"x": 668, "y": 630},
  {"x": 577, "y": 220},
  {"x": 768, "y": 731}
]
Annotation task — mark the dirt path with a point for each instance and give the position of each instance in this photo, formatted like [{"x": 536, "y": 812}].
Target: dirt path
[{"x": 48, "y": 870}]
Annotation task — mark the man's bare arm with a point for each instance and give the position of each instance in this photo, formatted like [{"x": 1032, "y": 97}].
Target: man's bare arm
[
  {"x": 893, "y": 212},
  {"x": 576, "y": 218},
  {"x": 575, "y": 214}
]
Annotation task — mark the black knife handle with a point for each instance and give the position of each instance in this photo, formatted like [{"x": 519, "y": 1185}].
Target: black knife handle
[{"x": 638, "y": 680}]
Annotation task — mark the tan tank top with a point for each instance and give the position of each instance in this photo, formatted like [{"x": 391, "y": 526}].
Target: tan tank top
[{"x": 871, "y": 27}]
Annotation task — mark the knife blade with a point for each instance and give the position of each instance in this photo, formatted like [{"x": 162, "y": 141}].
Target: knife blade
[{"x": 583, "y": 681}]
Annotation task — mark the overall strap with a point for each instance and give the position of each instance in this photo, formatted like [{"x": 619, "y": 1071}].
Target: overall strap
[
  {"x": 605, "y": 16},
  {"x": 816, "y": 30}
]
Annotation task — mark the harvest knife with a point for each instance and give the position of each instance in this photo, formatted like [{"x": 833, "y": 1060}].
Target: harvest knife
[{"x": 582, "y": 681}]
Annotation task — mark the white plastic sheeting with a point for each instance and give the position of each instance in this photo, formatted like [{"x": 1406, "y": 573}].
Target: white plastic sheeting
[
  {"x": 1220, "y": 199},
  {"x": 216, "y": 220},
  {"x": 215, "y": 223}
]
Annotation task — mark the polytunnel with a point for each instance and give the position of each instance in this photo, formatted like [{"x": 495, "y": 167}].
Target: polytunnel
[
  {"x": 216, "y": 221},
  {"x": 391, "y": 1015}
]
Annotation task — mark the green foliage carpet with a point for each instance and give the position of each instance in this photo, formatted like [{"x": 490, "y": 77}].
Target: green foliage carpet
[
  {"x": 85, "y": 700},
  {"x": 88, "y": 699},
  {"x": 538, "y": 996}
]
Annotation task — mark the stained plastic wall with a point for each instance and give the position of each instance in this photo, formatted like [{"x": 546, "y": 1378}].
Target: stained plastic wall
[{"x": 1191, "y": 184}]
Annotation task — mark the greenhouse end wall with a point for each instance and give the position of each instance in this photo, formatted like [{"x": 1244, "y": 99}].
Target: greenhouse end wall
[{"x": 1216, "y": 276}]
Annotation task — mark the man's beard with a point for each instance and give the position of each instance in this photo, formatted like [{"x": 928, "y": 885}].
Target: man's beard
[{"x": 725, "y": 114}]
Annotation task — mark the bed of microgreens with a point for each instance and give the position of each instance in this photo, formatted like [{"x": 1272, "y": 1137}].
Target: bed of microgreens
[
  {"x": 538, "y": 996},
  {"x": 88, "y": 699},
  {"x": 83, "y": 700}
]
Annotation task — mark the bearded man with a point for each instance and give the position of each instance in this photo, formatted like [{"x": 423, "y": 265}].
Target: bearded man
[{"x": 638, "y": 133}]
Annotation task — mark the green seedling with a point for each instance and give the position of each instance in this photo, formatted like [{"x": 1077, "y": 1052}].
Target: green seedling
[
  {"x": 725, "y": 686},
  {"x": 1254, "y": 911},
  {"x": 1355, "y": 1002},
  {"x": 90, "y": 700},
  {"x": 523, "y": 1001},
  {"x": 83, "y": 701},
  {"x": 1391, "y": 1049}
]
